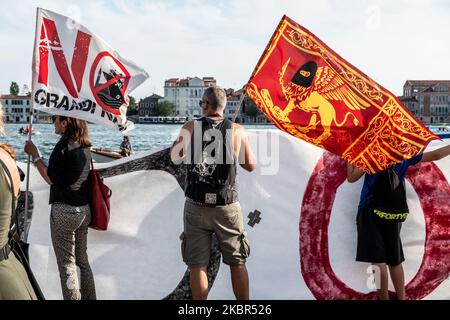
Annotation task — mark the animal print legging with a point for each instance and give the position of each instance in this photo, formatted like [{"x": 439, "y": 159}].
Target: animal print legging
[{"x": 69, "y": 229}]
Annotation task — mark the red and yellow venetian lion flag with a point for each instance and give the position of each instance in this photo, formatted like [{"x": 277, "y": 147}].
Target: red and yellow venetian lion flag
[{"x": 309, "y": 91}]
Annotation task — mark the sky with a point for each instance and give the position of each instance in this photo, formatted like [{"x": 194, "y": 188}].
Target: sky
[{"x": 391, "y": 41}]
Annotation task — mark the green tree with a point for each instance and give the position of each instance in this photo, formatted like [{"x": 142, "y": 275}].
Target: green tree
[
  {"x": 164, "y": 108},
  {"x": 252, "y": 111},
  {"x": 14, "y": 88},
  {"x": 132, "y": 107}
]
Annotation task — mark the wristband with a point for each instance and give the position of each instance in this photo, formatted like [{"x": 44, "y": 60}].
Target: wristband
[{"x": 36, "y": 160}]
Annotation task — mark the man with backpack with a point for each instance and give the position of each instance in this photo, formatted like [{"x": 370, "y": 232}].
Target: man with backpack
[
  {"x": 381, "y": 211},
  {"x": 211, "y": 147}
]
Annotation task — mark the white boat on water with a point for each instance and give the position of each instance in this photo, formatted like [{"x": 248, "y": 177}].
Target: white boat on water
[
  {"x": 438, "y": 129},
  {"x": 163, "y": 120},
  {"x": 441, "y": 131}
]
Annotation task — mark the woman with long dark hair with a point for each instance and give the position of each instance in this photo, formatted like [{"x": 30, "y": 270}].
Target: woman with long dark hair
[{"x": 67, "y": 174}]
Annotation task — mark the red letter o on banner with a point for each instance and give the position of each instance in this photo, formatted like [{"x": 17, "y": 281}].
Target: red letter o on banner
[{"x": 434, "y": 194}]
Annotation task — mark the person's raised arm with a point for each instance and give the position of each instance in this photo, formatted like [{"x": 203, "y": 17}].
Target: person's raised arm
[
  {"x": 353, "y": 173},
  {"x": 31, "y": 149},
  {"x": 436, "y": 154}
]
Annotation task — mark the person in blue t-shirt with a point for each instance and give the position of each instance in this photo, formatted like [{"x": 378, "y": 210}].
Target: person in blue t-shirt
[{"x": 379, "y": 242}]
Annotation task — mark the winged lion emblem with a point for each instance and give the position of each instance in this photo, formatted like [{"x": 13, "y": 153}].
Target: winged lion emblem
[{"x": 313, "y": 89}]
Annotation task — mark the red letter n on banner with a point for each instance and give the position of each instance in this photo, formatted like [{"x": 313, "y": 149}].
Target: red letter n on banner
[{"x": 50, "y": 39}]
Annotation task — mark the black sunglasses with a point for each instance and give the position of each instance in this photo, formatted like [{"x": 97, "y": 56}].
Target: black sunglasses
[{"x": 54, "y": 119}]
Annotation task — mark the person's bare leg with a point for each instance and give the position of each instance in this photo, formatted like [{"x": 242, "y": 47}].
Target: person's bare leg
[
  {"x": 199, "y": 283},
  {"x": 239, "y": 279},
  {"x": 381, "y": 278},
  {"x": 398, "y": 279}
]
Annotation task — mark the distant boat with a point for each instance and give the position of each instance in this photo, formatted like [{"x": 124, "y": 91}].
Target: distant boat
[
  {"x": 104, "y": 155},
  {"x": 164, "y": 120},
  {"x": 23, "y": 132},
  {"x": 441, "y": 131}
]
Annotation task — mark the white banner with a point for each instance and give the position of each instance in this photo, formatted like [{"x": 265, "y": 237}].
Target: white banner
[
  {"x": 303, "y": 247},
  {"x": 77, "y": 74}
]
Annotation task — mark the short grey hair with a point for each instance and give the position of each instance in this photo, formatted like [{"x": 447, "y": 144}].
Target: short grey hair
[
  {"x": 2, "y": 128},
  {"x": 216, "y": 97}
]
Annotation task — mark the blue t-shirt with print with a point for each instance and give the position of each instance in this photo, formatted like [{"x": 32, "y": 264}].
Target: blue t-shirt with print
[{"x": 369, "y": 179}]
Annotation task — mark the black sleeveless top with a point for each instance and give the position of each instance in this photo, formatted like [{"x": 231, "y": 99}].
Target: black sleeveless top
[{"x": 211, "y": 171}]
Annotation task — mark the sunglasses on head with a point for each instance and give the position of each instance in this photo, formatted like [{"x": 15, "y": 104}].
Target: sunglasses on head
[{"x": 60, "y": 118}]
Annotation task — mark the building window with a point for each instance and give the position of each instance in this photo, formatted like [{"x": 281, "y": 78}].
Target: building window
[{"x": 6, "y": 101}]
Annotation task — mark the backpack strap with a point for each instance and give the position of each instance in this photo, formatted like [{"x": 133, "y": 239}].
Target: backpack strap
[
  {"x": 375, "y": 181},
  {"x": 225, "y": 125}
]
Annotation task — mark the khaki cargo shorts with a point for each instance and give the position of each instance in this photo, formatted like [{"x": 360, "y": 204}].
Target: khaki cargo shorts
[{"x": 200, "y": 222}]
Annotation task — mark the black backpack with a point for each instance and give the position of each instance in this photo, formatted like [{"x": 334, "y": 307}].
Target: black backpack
[
  {"x": 389, "y": 197},
  {"x": 211, "y": 183}
]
